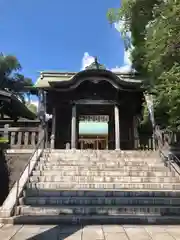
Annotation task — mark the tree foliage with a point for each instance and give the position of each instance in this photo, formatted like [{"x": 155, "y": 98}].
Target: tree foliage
[
  {"x": 13, "y": 81},
  {"x": 10, "y": 77},
  {"x": 155, "y": 31}
]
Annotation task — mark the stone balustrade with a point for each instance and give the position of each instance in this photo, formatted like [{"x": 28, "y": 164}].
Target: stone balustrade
[
  {"x": 144, "y": 143},
  {"x": 24, "y": 137},
  {"x": 21, "y": 137}
]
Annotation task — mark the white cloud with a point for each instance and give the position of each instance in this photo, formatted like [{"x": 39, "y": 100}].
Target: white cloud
[
  {"x": 127, "y": 58},
  {"x": 127, "y": 63},
  {"x": 87, "y": 60},
  {"x": 119, "y": 26},
  {"x": 123, "y": 69},
  {"x": 126, "y": 68}
]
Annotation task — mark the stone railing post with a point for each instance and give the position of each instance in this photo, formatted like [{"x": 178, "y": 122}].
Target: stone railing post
[
  {"x": 117, "y": 127},
  {"x": 53, "y": 130},
  {"x": 19, "y": 138},
  {"x": 33, "y": 139},
  {"x": 52, "y": 139},
  {"x": 26, "y": 139},
  {"x": 68, "y": 146},
  {"x": 153, "y": 142},
  {"x": 73, "y": 128},
  {"x": 6, "y": 131},
  {"x": 13, "y": 138}
]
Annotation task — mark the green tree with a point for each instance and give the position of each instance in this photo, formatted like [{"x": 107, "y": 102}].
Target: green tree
[
  {"x": 10, "y": 78},
  {"x": 155, "y": 30}
]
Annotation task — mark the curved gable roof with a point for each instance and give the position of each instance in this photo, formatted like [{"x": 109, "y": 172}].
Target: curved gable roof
[{"x": 72, "y": 80}]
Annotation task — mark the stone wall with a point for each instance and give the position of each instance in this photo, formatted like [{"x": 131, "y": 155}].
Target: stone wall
[{"x": 11, "y": 166}]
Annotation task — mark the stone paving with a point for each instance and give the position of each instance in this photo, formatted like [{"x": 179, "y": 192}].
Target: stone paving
[{"x": 90, "y": 232}]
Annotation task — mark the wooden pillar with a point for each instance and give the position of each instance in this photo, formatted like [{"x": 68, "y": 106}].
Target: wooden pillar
[
  {"x": 73, "y": 128},
  {"x": 117, "y": 128},
  {"x": 77, "y": 129},
  {"x": 107, "y": 142},
  {"x": 53, "y": 130},
  {"x": 135, "y": 133},
  {"x": 111, "y": 131}
]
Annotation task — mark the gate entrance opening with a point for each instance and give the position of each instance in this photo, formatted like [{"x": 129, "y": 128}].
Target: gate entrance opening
[{"x": 93, "y": 132}]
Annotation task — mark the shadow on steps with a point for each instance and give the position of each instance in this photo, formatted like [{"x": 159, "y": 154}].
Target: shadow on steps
[
  {"x": 125, "y": 207},
  {"x": 57, "y": 232}
]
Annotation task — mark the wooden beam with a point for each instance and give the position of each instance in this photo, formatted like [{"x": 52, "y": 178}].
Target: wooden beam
[{"x": 94, "y": 102}]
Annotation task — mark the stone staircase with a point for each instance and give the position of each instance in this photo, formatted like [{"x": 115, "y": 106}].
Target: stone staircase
[{"x": 101, "y": 187}]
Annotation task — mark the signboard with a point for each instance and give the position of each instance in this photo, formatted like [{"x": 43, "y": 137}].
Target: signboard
[{"x": 94, "y": 118}]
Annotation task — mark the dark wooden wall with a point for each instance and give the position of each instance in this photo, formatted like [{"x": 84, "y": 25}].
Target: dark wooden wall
[{"x": 63, "y": 125}]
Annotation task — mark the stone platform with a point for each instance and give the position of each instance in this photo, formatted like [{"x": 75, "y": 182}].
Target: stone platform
[{"x": 93, "y": 232}]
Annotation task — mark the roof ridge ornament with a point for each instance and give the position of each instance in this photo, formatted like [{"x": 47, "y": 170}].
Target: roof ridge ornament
[
  {"x": 95, "y": 65},
  {"x": 96, "y": 62}
]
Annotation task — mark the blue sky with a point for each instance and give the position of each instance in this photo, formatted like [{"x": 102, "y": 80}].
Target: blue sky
[{"x": 54, "y": 35}]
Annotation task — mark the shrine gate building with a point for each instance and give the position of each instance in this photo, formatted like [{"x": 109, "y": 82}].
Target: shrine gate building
[{"x": 94, "y": 108}]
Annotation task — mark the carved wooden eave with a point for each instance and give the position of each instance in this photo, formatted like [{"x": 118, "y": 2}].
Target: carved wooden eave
[{"x": 65, "y": 81}]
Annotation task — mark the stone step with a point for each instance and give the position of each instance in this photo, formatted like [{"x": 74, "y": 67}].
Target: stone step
[
  {"x": 93, "y": 151},
  {"x": 112, "y": 171},
  {"x": 104, "y": 173},
  {"x": 105, "y": 164},
  {"x": 50, "y": 166},
  {"x": 95, "y": 219},
  {"x": 82, "y": 153},
  {"x": 111, "y": 179},
  {"x": 78, "y": 201},
  {"x": 119, "y": 186},
  {"x": 33, "y": 192},
  {"x": 112, "y": 159},
  {"x": 103, "y": 210},
  {"x": 101, "y": 164},
  {"x": 100, "y": 157}
]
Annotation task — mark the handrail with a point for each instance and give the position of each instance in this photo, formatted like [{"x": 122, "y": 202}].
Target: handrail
[
  {"x": 170, "y": 158},
  {"x": 40, "y": 145}
]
